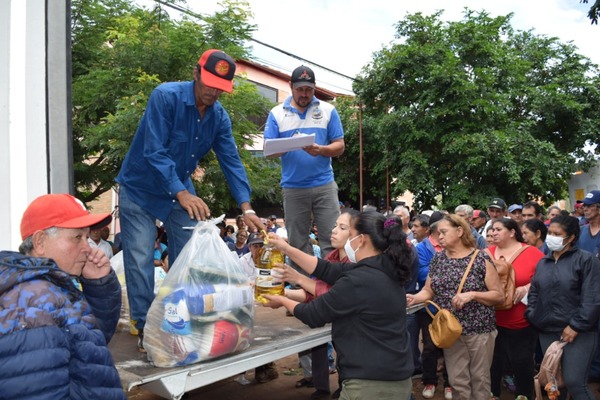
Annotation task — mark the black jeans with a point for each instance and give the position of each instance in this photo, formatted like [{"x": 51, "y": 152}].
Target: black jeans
[
  {"x": 517, "y": 347},
  {"x": 430, "y": 353}
]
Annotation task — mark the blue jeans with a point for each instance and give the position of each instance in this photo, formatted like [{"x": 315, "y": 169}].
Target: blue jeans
[
  {"x": 413, "y": 332},
  {"x": 576, "y": 361},
  {"x": 138, "y": 234},
  {"x": 319, "y": 205},
  {"x": 595, "y": 368}
]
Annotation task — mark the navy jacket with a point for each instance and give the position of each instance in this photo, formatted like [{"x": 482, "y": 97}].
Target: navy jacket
[
  {"x": 53, "y": 336},
  {"x": 367, "y": 308},
  {"x": 565, "y": 292}
]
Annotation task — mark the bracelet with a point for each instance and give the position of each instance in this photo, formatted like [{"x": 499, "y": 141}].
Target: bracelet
[{"x": 250, "y": 211}]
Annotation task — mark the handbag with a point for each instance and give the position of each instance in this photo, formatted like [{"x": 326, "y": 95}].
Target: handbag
[
  {"x": 445, "y": 329},
  {"x": 506, "y": 272},
  {"x": 550, "y": 375}
]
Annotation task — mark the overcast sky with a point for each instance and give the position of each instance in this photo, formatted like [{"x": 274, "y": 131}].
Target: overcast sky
[{"x": 343, "y": 34}]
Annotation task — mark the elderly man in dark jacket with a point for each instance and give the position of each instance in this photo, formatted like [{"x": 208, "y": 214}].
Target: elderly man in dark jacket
[{"x": 59, "y": 307}]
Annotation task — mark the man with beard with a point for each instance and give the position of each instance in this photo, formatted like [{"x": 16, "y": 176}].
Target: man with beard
[
  {"x": 182, "y": 122},
  {"x": 309, "y": 189}
]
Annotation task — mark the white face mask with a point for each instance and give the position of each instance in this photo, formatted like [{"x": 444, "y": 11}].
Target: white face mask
[
  {"x": 350, "y": 252},
  {"x": 555, "y": 243}
]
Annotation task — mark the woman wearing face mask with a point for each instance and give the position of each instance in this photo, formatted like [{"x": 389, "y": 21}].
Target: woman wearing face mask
[
  {"x": 318, "y": 376},
  {"x": 564, "y": 303},
  {"x": 366, "y": 306},
  {"x": 316, "y": 287}
]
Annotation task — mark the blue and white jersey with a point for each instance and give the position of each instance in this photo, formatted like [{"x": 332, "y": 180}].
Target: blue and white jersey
[{"x": 300, "y": 169}]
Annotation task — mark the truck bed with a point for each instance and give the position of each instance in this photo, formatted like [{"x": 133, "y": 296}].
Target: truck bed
[{"x": 275, "y": 336}]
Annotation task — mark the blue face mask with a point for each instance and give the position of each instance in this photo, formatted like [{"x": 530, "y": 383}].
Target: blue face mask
[{"x": 350, "y": 252}]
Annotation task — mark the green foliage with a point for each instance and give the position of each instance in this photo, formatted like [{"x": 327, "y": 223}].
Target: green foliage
[
  {"x": 471, "y": 110},
  {"x": 120, "y": 54},
  {"x": 594, "y": 12}
]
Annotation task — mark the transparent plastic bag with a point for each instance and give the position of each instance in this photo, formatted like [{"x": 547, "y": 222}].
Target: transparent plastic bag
[{"x": 205, "y": 306}]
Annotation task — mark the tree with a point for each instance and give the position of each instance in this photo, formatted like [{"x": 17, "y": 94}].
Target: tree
[
  {"x": 594, "y": 12},
  {"x": 120, "y": 54},
  {"x": 466, "y": 111}
]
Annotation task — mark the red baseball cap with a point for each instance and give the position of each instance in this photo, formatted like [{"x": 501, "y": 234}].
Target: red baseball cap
[
  {"x": 217, "y": 70},
  {"x": 61, "y": 211}
]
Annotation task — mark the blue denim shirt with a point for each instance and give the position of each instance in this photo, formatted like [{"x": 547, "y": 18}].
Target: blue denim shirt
[{"x": 170, "y": 141}]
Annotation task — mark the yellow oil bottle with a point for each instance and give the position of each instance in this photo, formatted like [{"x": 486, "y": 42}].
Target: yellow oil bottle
[{"x": 265, "y": 282}]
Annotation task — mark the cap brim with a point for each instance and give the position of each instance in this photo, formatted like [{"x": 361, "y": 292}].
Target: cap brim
[
  {"x": 92, "y": 221},
  {"x": 215, "y": 82},
  {"x": 496, "y": 206},
  {"x": 302, "y": 84}
]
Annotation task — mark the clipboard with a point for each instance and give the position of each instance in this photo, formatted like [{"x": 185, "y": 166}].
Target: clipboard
[{"x": 283, "y": 145}]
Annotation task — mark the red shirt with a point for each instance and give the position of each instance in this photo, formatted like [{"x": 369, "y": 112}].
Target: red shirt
[{"x": 524, "y": 266}]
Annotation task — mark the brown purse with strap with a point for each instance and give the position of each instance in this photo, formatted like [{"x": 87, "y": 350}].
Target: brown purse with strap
[{"x": 445, "y": 329}]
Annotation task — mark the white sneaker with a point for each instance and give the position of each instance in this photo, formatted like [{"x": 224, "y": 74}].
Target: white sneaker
[
  {"x": 448, "y": 393},
  {"x": 428, "y": 391}
]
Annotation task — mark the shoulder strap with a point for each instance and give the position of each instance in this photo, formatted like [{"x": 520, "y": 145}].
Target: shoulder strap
[
  {"x": 464, "y": 278},
  {"x": 517, "y": 253}
]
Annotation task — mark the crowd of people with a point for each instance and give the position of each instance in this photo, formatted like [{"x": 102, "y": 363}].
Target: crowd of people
[
  {"x": 499, "y": 344},
  {"x": 359, "y": 271}
]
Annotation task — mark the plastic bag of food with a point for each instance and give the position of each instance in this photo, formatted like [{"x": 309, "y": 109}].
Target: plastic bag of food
[{"x": 205, "y": 306}]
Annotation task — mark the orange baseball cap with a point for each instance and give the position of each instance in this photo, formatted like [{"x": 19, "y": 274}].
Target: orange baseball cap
[
  {"x": 61, "y": 211},
  {"x": 217, "y": 70}
]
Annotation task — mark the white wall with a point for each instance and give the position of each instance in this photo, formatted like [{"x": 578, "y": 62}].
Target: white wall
[
  {"x": 582, "y": 183},
  {"x": 34, "y": 159}
]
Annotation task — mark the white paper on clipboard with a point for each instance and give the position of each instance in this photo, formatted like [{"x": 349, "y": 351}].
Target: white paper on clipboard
[{"x": 283, "y": 145}]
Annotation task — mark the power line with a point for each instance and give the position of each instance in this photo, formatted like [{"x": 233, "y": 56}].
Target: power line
[
  {"x": 287, "y": 53},
  {"x": 301, "y": 59}
]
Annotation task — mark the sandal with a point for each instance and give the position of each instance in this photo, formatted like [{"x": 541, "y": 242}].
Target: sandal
[{"x": 305, "y": 383}]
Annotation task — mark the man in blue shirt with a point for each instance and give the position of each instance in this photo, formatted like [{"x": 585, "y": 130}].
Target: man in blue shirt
[
  {"x": 183, "y": 121},
  {"x": 310, "y": 194},
  {"x": 589, "y": 239}
]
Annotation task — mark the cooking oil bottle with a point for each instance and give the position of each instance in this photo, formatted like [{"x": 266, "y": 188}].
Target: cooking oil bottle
[{"x": 265, "y": 282}]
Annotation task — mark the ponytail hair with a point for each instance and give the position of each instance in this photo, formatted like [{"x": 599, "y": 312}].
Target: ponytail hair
[{"x": 388, "y": 237}]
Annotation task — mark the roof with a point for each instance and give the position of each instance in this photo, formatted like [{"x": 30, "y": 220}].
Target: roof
[{"x": 320, "y": 92}]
